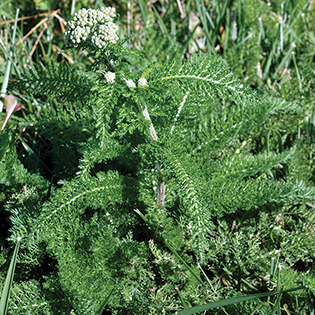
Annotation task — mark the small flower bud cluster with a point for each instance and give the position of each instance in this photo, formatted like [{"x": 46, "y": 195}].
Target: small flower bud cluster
[
  {"x": 130, "y": 84},
  {"x": 142, "y": 82},
  {"x": 96, "y": 26},
  {"x": 110, "y": 77}
]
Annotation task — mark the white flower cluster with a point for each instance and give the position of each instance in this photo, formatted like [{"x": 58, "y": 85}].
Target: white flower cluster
[
  {"x": 142, "y": 82},
  {"x": 94, "y": 25},
  {"x": 130, "y": 84},
  {"x": 110, "y": 77}
]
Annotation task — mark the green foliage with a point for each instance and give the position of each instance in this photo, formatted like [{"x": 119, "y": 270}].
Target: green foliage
[
  {"x": 59, "y": 81},
  {"x": 28, "y": 298},
  {"x": 83, "y": 181}
]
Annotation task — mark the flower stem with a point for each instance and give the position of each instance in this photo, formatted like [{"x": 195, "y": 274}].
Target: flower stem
[{"x": 161, "y": 184}]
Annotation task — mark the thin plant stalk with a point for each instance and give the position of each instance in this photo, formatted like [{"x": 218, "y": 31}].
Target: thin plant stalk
[
  {"x": 8, "y": 68},
  {"x": 128, "y": 22},
  {"x": 161, "y": 184}
]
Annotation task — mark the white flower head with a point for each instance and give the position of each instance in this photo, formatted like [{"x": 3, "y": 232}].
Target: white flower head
[
  {"x": 95, "y": 26},
  {"x": 110, "y": 77},
  {"x": 142, "y": 82},
  {"x": 130, "y": 84}
]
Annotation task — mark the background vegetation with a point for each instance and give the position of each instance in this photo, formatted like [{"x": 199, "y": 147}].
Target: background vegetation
[{"x": 107, "y": 259}]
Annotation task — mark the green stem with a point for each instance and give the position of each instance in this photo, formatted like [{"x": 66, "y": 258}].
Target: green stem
[{"x": 161, "y": 184}]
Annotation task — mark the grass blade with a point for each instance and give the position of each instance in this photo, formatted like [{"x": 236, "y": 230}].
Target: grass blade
[
  {"x": 297, "y": 71},
  {"x": 160, "y": 22},
  {"x": 143, "y": 9},
  {"x": 231, "y": 301},
  {"x": 104, "y": 303},
  {"x": 72, "y": 7},
  {"x": 202, "y": 14},
  {"x": 8, "y": 281}
]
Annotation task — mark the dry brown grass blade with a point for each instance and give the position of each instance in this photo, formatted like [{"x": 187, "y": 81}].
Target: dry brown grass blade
[
  {"x": 55, "y": 47},
  {"x": 37, "y": 26},
  {"x": 62, "y": 23},
  {"x": 26, "y": 18},
  {"x": 38, "y": 38}
]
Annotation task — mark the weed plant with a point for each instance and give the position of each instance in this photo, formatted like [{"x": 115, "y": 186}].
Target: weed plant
[{"x": 149, "y": 175}]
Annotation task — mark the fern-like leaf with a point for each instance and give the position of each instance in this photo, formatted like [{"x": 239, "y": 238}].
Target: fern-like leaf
[
  {"x": 56, "y": 81},
  {"x": 205, "y": 76}
]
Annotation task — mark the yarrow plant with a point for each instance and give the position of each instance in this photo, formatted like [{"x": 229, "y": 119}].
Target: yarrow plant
[{"x": 159, "y": 155}]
